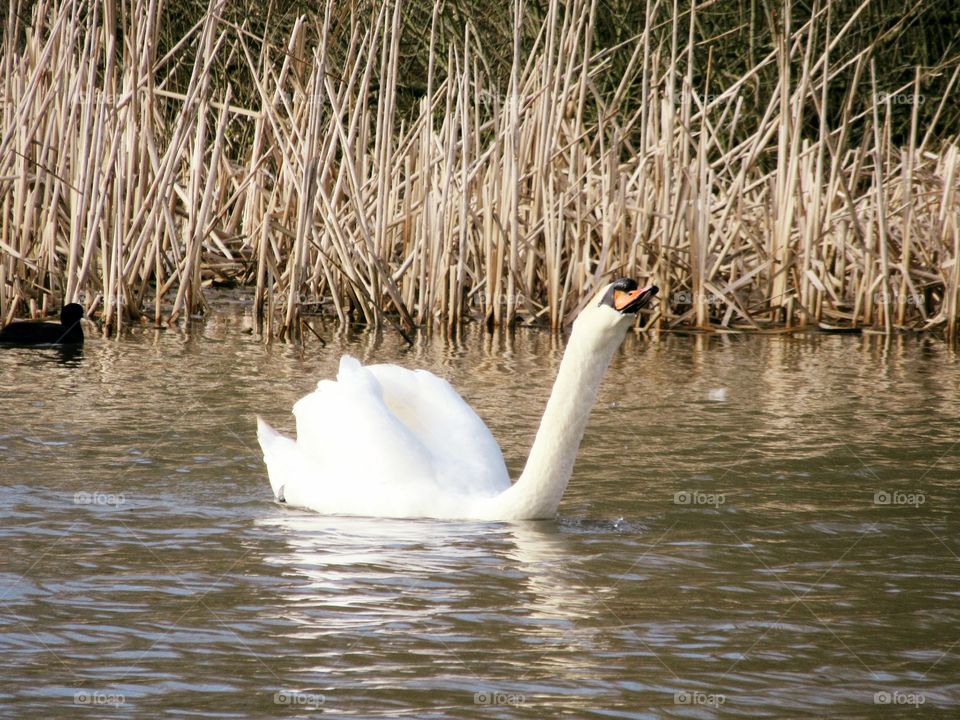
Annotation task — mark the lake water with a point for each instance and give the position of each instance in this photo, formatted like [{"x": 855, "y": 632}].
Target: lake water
[{"x": 757, "y": 526}]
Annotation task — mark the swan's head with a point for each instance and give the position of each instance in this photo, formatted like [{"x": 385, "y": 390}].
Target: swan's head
[
  {"x": 614, "y": 308},
  {"x": 625, "y": 297}
]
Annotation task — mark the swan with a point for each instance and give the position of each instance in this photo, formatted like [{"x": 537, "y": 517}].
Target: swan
[{"x": 384, "y": 441}]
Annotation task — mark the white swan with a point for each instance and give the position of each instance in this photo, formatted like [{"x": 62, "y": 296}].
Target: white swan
[{"x": 384, "y": 441}]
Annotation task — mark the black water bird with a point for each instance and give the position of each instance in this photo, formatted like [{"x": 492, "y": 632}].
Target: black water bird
[{"x": 33, "y": 332}]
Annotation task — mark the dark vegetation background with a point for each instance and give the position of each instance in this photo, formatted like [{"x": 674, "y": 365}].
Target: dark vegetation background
[{"x": 732, "y": 37}]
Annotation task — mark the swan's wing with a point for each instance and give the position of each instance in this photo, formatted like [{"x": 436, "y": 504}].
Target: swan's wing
[
  {"x": 466, "y": 458},
  {"x": 352, "y": 456},
  {"x": 384, "y": 441},
  {"x": 346, "y": 429}
]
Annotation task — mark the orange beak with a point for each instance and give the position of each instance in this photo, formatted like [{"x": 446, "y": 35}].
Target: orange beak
[{"x": 633, "y": 301}]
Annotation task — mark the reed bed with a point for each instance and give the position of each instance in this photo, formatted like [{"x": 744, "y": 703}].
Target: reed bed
[{"x": 495, "y": 201}]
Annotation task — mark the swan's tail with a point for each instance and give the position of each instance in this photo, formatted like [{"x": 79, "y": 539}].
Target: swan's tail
[{"x": 280, "y": 454}]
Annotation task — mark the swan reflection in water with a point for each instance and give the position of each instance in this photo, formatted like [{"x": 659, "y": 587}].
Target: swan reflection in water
[{"x": 370, "y": 574}]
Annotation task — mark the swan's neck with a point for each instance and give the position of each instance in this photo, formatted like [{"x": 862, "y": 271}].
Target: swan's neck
[{"x": 541, "y": 485}]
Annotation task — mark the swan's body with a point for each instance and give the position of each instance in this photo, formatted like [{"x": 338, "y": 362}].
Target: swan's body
[{"x": 389, "y": 442}]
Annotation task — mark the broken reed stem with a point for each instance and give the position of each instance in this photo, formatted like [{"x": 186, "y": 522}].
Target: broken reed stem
[{"x": 483, "y": 204}]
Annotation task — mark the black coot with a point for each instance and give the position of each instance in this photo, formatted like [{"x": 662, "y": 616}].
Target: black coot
[{"x": 67, "y": 332}]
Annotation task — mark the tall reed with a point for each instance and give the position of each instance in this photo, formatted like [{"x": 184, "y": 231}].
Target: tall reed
[{"x": 498, "y": 204}]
